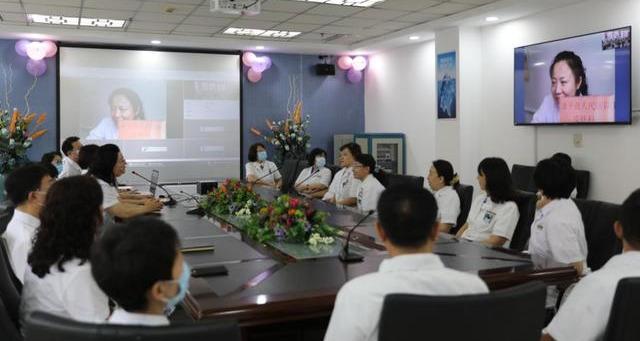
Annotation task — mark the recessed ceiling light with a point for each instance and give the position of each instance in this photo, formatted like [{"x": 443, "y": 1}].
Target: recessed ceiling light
[
  {"x": 260, "y": 47},
  {"x": 491, "y": 19},
  {"x": 74, "y": 21},
  {"x": 156, "y": 42},
  {"x": 356, "y": 3},
  {"x": 414, "y": 38},
  {"x": 260, "y": 33}
]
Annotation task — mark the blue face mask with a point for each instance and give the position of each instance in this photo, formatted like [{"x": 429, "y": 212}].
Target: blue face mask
[
  {"x": 59, "y": 167},
  {"x": 321, "y": 162},
  {"x": 262, "y": 155},
  {"x": 183, "y": 282}
]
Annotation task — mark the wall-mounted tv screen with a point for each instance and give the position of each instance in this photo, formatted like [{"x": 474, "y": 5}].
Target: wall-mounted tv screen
[{"x": 579, "y": 80}]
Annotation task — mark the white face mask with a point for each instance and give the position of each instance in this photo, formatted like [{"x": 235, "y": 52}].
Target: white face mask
[{"x": 321, "y": 162}]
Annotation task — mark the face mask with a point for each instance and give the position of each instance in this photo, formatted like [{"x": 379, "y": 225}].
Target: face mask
[
  {"x": 262, "y": 155},
  {"x": 183, "y": 282},
  {"x": 59, "y": 167},
  {"x": 320, "y": 162}
]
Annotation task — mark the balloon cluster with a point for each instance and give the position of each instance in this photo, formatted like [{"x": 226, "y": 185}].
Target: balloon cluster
[
  {"x": 257, "y": 65},
  {"x": 353, "y": 66},
  {"x": 37, "y": 52}
]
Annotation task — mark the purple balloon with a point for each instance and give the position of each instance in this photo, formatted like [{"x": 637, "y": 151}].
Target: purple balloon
[
  {"x": 354, "y": 75},
  {"x": 21, "y": 47},
  {"x": 260, "y": 64},
  {"x": 36, "y": 67}
]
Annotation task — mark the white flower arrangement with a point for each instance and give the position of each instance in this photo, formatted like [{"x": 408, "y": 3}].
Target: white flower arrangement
[{"x": 316, "y": 239}]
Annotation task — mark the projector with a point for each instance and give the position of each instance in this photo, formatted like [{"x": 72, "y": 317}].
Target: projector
[{"x": 325, "y": 69}]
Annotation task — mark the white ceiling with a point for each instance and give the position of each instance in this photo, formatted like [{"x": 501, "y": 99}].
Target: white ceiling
[{"x": 325, "y": 28}]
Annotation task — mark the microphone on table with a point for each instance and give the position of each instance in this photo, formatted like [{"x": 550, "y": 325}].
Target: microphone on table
[
  {"x": 345, "y": 256},
  {"x": 171, "y": 202},
  {"x": 196, "y": 211}
]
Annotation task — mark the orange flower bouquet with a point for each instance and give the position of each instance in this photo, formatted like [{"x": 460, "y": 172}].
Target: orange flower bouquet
[{"x": 17, "y": 134}]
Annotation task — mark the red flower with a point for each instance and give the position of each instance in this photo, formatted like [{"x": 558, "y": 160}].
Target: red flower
[{"x": 294, "y": 202}]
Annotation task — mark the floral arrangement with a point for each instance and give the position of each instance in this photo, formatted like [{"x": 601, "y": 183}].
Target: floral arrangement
[
  {"x": 290, "y": 220},
  {"x": 232, "y": 197},
  {"x": 289, "y": 136},
  {"x": 16, "y": 138}
]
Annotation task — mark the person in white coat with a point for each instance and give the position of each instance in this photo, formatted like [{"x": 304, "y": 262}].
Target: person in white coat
[
  {"x": 344, "y": 187},
  {"x": 314, "y": 180},
  {"x": 259, "y": 170},
  {"x": 370, "y": 188},
  {"x": 442, "y": 181},
  {"x": 71, "y": 153}
]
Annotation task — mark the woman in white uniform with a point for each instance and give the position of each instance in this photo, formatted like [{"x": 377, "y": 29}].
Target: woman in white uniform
[
  {"x": 344, "y": 187},
  {"x": 259, "y": 170},
  {"x": 58, "y": 280},
  {"x": 314, "y": 181},
  {"x": 493, "y": 215},
  {"x": 442, "y": 180},
  {"x": 370, "y": 188}
]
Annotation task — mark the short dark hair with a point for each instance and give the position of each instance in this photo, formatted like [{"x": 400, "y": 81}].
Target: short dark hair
[
  {"x": 366, "y": 160},
  {"x": 499, "y": 185},
  {"x": 253, "y": 151},
  {"x": 23, "y": 181},
  {"x": 564, "y": 157},
  {"x": 51, "y": 169},
  {"x": 407, "y": 215},
  {"x": 132, "y": 97},
  {"x": 48, "y": 157},
  {"x": 555, "y": 178},
  {"x": 630, "y": 219},
  {"x": 68, "y": 224},
  {"x": 445, "y": 170},
  {"x": 353, "y": 147},
  {"x": 67, "y": 145},
  {"x": 131, "y": 257},
  {"x": 105, "y": 159},
  {"x": 577, "y": 69},
  {"x": 87, "y": 155},
  {"x": 315, "y": 152}
]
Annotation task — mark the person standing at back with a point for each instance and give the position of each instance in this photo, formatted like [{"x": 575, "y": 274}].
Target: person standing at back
[{"x": 71, "y": 152}]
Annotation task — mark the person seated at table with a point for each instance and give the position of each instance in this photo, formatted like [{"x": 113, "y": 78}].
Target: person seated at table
[
  {"x": 86, "y": 156},
  {"x": 259, "y": 170},
  {"x": 139, "y": 266},
  {"x": 58, "y": 280},
  {"x": 585, "y": 313},
  {"x": 408, "y": 228},
  {"x": 107, "y": 166},
  {"x": 493, "y": 215},
  {"x": 564, "y": 157},
  {"x": 26, "y": 188},
  {"x": 344, "y": 186},
  {"x": 70, "y": 150},
  {"x": 370, "y": 188},
  {"x": 442, "y": 181},
  {"x": 557, "y": 232},
  {"x": 54, "y": 159},
  {"x": 314, "y": 181}
]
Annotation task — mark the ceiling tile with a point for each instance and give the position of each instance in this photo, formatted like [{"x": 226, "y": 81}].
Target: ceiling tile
[
  {"x": 418, "y": 17},
  {"x": 271, "y": 16},
  {"x": 394, "y": 25},
  {"x": 333, "y": 29},
  {"x": 158, "y": 7},
  {"x": 150, "y": 26},
  {"x": 205, "y": 11},
  {"x": 106, "y": 14},
  {"x": 372, "y": 13},
  {"x": 10, "y": 7},
  {"x": 475, "y": 2},
  {"x": 407, "y": 5},
  {"x": 313, "y": 36},
  {"x": 68, "y": 3},
  {"x": 157, "y": 17},
  {"x": 334, "y": 10},
  {"x": 185, "y": 28},
  {"x": 297, "y": 27},
  {"x": 188, "y": 2},
  {"x": 14, "y": 18},
  {"x": 287, "y": 6},
  {"x": 255, "y": 24},
  {"x": 130, "y": 5},
  {"x": 313, "y": 19},
  {"x": 52, "y": 10},
  {"x": 448, "y": 8},
  {"x": 357, "y": 22},
  {"x": 207, "y": 21}
]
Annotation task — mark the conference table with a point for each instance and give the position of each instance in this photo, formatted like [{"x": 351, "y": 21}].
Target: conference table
[{"x": 265, "y": 285}]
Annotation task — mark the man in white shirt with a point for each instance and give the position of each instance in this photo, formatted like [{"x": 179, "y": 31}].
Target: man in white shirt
[
  {"x": 344, "y": 187},
  {"x": 26, "y": 188},
  {"x": 139, "y": 265},
  {"x": 370, "y": 188},
  {"x": 585, "y": 313},
  {"x": 71, "y": 152},
  {"x": 408, "y": 228}
]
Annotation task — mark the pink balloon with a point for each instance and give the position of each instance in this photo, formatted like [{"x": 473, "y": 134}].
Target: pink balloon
[
  {"x": 36, "y": 50},
  {"x": 345, "y": 62},
  {"x": 260, "y": 64},
  {"x": 359, "y": 63},
  {"x": 248, "y": 58},
  {"x": 254, "y": 76},
  {"x": 354, "y": 75},
  {"x": 21, "y": 47},
  {"x": 36, "y": 67},
  {"x": 50, "y": 48}
]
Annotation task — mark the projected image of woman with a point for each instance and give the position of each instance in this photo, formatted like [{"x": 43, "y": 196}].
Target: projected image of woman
[
  {"x": 568, "y": 78},
  {"x": 125, "y": 104}
]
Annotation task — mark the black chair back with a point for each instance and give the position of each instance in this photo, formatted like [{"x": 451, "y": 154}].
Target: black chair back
[
  {"x": 334, "y": 169},
  {"x": 8, "y": 329},
  {"x": 625, "y": 312},
  {"x": 527, "y": 208},
  {"x": 582, "y": 183},
  {"x": 5, "y": 218},
  {"x": 393, "y": 180},
  {"x": 465, "y": 194},
  {"x": 10, "y": 286},
  {"x": 522, "y": 177},
  {"x": 46, "y": 327},
  {"x": 516, "y": 313},
  {"x": 598, "y": 218}
]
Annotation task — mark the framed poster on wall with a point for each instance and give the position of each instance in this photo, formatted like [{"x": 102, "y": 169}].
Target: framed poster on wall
[{"x": 446, "y": 77}]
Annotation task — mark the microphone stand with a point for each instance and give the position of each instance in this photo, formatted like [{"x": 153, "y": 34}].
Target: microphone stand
[
  {"x": 172, "y": 202},
  {"x": 345, "y": 256},
  {"x": 305, "y": 179},
  {"x": 251, "y": 183},
  {"x": 196, "y": 211}
]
